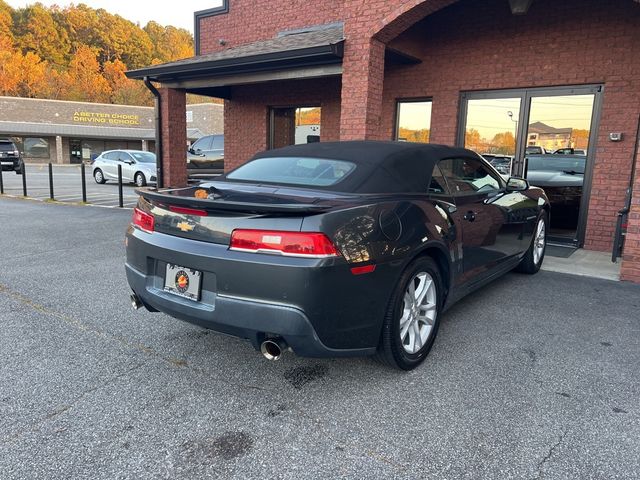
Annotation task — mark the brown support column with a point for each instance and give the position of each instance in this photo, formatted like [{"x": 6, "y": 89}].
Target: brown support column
[
  {"x": 362, "y": 82},
  {"x": 174, "y": 137},
  {"x": 630, "y": 269}
]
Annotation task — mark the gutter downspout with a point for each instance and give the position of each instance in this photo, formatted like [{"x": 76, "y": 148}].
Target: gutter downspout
[{"x": 158, "y": 119}]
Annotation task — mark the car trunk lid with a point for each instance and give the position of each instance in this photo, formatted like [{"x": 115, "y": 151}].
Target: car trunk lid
[{"x": 211, "y": 211}]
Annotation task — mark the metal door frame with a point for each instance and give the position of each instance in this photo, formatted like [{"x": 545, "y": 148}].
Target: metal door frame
[{"x": 526, "y": 95}]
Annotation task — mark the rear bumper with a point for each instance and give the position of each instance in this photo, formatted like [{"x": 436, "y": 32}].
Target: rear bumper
[
  {"x": 259, "y": 311},
  {"x": 241, "y": 318}
]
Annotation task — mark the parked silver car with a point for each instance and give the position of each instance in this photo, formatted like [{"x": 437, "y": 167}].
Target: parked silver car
[{"x": 138, "y": 167}]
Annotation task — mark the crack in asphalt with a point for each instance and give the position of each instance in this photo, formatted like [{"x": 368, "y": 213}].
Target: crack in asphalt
[{"x": 547, "y": 457}]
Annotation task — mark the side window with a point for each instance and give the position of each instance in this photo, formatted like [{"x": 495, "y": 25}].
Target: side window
[
  {"x": 109, "y": 156},
  {"x": 203, "y": 144},
  {"x": 124, "y": 157},
  {"x": 218, "y": 143},
  {"x": 438, "y": 185},
  {"x": 469, "y": 176}
]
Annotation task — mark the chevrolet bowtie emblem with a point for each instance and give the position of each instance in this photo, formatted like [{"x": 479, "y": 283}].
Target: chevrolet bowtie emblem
[{"x": 185, "y": 226}]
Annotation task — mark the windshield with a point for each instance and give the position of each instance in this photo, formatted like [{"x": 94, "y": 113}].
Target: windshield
[
  {"x": 144, "y": 157},
  {"x": 556, "y": 164},
  {"x": 7, "y": 147},
  {"x": 312, "y": 172}
]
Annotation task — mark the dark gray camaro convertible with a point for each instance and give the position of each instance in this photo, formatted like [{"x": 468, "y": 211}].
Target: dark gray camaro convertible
[{"x": 334, "y": 249}]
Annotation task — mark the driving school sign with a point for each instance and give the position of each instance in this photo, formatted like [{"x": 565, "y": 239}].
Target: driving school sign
[{"x": 106, "y": 118}]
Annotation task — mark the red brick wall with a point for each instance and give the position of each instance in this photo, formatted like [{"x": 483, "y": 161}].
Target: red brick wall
[
  {"x": 631, "y": 256},
  {"x": 174, "y": 137},
  {"x": 245, "y": 115},
  {"x": 251, "y": 20},
  {"x": 466, "y": 46},
  {"x": 479, "y": 46}
]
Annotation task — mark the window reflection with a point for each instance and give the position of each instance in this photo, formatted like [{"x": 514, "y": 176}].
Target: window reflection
[{"x": 414, "y": 121}]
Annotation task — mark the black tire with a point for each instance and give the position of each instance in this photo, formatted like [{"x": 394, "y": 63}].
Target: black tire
[
  {"x": 528, "y": 264},
  {"x": 391, "y": 350},
  {"x": 98, "y": 176},
  {"x": 139, "y": 179}
]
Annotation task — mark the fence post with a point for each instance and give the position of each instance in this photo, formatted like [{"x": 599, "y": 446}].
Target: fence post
[
  {"x": 1, "y": 182},
  {"x": 24, "y": 181},
  {"x": 84, "y": 184},
  {"x": 51, "y": 181},
  {"x": 121, "y": 203}
]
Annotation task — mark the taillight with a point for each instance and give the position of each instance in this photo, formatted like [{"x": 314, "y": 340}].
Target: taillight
[
  {"x": 143, "y": 220},
  {"x": 295, "y": 244}
]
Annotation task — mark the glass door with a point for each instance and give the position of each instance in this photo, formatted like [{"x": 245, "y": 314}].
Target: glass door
[
  {"x": 546, "y": 135},
  {"x": 556, "y": 154}
]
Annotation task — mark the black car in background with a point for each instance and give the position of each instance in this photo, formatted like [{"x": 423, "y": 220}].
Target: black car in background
[
  {"x": 502, "y": 163},
  {"x": 206, "y": 155},
  {"x": 562, "y": 178},
  {"x": 334, "y": 249},
  {"x": 10, "y": 158}
]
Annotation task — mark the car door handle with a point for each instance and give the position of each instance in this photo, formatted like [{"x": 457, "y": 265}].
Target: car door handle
[{"x": 470, "y": 216}]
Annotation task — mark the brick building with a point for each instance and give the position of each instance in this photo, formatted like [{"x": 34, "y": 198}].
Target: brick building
[
  {"x": 450, "y": 71},
  {"x": 70, "y": 132}
]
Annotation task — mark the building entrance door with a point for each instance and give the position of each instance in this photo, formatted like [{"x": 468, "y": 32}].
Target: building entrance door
[
  {"x": 546, "y": 135},
  {"x": 75, "y": 151}
]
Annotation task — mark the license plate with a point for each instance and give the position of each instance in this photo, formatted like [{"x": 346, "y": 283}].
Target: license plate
[{"x": 183, "y": 281}]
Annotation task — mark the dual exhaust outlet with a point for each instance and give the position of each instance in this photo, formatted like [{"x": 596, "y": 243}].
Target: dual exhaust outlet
[{"x": 271, "y": 348}]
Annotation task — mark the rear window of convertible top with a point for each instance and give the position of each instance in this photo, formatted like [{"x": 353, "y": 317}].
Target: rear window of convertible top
[{"x": 311, "y": 172}]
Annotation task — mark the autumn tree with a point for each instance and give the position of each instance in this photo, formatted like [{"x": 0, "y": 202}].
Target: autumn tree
[
  {"x": 80, "y": 53},
  {"x": 472, "y": 138},
  {"x": 169, "y": 43},
  {"x": 504, "y": 143},
  {"x": 6, "y": 28},
  {"x": 409, "y": 135},
  {"x": 37, "y": 32},
  {"x": 84, "y": 80},
  {"x": 123, "y": 89}
]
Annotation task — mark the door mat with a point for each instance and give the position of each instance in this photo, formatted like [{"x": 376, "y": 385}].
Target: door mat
[{"x": 561, "y": 252}]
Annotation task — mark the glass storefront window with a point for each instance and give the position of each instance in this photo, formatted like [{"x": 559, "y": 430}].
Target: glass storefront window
[
  {"x": 491, "y": 125},
  {"x": 413, "y": 121},
  {"x": 35, "y": 147}
]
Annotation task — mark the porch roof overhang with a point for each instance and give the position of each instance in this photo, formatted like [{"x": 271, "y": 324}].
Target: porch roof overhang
[{"x": 304, "y": 54}]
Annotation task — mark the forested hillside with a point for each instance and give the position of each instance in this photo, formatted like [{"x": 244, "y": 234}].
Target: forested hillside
[{"x": 79, "y": 53}]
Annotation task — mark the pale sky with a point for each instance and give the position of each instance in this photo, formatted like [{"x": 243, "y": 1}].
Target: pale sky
[{"x": 140, "y": 11}]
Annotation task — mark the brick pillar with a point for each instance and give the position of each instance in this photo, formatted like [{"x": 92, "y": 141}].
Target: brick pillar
[
  {"x": 630, "y": 269},
  {"x": 362, "y": 82},
  {"x": 174, "y": 137},
  {"x": 59, "y": 152}
]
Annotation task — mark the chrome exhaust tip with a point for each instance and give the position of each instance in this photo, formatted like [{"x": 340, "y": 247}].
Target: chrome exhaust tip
[
  {"x": 272, "y": 348},
  {"x": 135, "y": 301}
]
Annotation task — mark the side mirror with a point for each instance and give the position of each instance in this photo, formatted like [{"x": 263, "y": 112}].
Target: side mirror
[
  {"x": 191, "y": 151},
  {"x": 516, "y": 184}
]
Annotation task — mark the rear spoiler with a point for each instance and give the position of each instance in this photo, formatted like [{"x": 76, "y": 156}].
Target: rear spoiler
[{"x": 219, "y": 204}]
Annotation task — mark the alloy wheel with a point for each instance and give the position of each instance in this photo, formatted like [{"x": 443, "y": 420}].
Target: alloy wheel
[
  {"x": 539, "y": 242},
  {"x": 419, "y": 310}
]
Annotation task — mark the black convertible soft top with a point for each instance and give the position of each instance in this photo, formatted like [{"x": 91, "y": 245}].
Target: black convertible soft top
[{"x": 382, "y": 167}]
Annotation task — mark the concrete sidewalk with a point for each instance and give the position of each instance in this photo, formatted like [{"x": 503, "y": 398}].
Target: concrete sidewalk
[{"x": 585, "y": 263}]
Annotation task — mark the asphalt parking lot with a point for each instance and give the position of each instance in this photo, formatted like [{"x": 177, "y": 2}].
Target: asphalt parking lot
[
  {"x": 67, "y": 186},
  {"x": 532, "y": 377}
]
